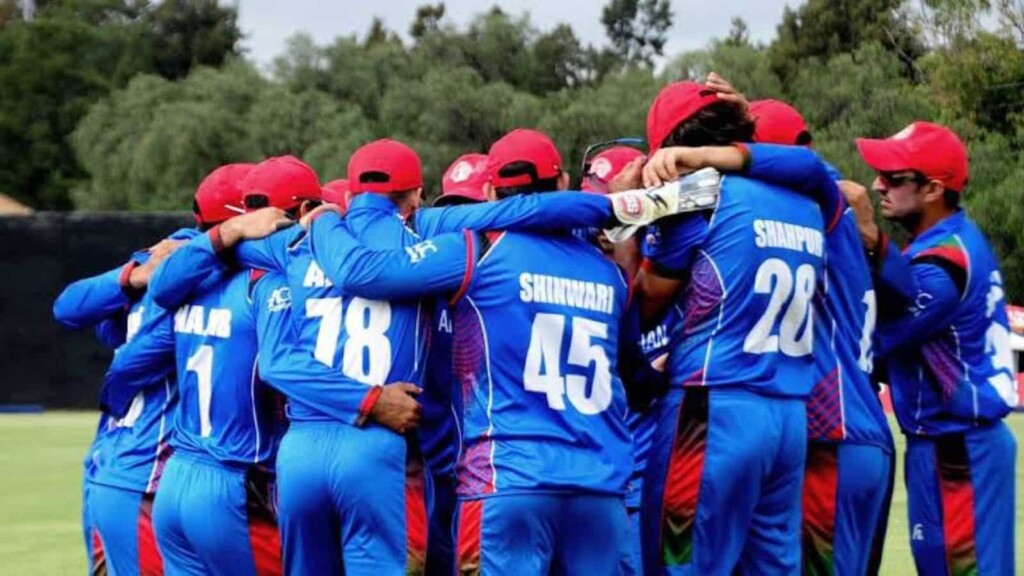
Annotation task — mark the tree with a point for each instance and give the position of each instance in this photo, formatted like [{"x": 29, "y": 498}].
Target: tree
[
  {"x": 428, "y": 20},
  {"x": 739, "y": 33},
  {"x": 187, "y": 33},
  {"x": 637, "y": 29},
  {"x": 827, "y": 28},
  {"x": 746, "y": 66}
]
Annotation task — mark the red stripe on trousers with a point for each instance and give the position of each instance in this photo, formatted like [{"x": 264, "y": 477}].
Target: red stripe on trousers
[
  {"x": 821, "y": 487},
  {"x": 682, "y": 482},
  {"x": 98, "y": 562},
  {"x": 468, "y": 544},
  {"x": 150, "y": 562},
  {"x": 957, "y": 494},
  {"x": 415, "y": 517}
]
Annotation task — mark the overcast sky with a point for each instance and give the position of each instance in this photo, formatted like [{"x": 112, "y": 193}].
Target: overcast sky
[{"x": 268, "y": 23}]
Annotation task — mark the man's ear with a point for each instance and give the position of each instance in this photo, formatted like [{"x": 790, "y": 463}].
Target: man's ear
[
  {"x": 563, "y": 181},
  {"x": 933, "y": 192},
  {"x": 307, "y": 206},
  {"x": 489, "y": 192}
]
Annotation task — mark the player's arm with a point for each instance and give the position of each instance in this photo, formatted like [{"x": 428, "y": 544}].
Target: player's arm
[
  {"x": 302, "y": 379},
  {"x": 89, "y": 301},
  {"x": 643, "y": 382},
  {"x": 144, "y": 361},
  {"x": 176, "y": 280},
  {"x": 940, "y": 284},
  {"x": 112, "y": 331},
  {"x": 442, "y": 264},
  {"x": 668, "y": 265},
  {"x": 257, "y": 240}
]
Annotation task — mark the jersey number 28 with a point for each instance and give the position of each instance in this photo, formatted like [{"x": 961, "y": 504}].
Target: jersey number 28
[{"x": 795, "y": 334}]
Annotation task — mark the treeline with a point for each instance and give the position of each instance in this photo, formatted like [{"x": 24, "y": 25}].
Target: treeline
[{"x": 107, "y": 104}]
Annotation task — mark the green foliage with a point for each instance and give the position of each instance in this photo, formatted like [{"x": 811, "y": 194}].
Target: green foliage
[{"x": 637, "y": 29}]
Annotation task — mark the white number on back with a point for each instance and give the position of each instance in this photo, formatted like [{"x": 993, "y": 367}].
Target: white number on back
[
  {"x": 866, "y": 362},
  {"x": 367, "y": 353},
  {"x": 202, "y": 364},
  {"x": 997, "y": 344},
  {"x": 775, "y": 278},
  {"x": 542, "y": 371}
]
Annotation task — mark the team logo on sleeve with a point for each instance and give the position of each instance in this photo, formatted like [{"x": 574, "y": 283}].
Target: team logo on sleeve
[
  {"x": 280, "y": 299},
  {"x": 420, "y": 251}
]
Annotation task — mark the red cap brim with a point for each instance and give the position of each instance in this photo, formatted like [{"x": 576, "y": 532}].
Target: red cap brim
[{"x": 883, "y": 155}]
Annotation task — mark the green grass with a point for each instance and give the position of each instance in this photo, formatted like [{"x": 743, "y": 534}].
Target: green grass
[{"x": 40, "y": 491}]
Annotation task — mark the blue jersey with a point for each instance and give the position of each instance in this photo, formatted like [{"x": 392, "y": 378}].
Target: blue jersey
[
  {"x": 442, "y": 445},
  {"x": 948, "y": 355},
  {"x": 654, "y": 343},
  {"x": 113, "y": 309},
  {"x": 536, "y": 349},
  {"x": 843, "y": 405},
  {"x": 752, "y": 270}
]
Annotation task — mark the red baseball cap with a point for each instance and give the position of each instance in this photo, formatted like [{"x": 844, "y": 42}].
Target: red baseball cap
[
  {"x": 675, "y": 103},
  {"x": 607, "y": 165},
  {"x": 778, "y": 123},
  {"x": 390, "y": 160},
  {"x": 933, "y": 150},
  {"x": 523, "y": 145},
  {"x": 282, "y": 182},
  {"x": 219, "y": 195},
  {"x": 465, "y": 178},
  {"x": 336, "y": 192}
]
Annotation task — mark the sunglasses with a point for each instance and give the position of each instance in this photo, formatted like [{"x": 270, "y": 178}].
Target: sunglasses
[
  {"x": 895, "y": 180},
  {"x": 595, "y": 149}
]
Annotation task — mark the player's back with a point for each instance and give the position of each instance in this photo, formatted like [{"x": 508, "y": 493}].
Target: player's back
[
  {"x": 536, "y": 345},
  {"x": 843, "y": 404},
  {"x": 133, "y": 452},
  {"x": 747, "y": 307},
  {"x": 225, "y": 411}
]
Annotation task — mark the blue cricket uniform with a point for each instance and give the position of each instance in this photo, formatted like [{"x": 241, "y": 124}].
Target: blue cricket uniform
[
  {"x": 741, "y": 367},
  {"x": 227, "y": 426},
  {"x": 850, "y": 446},
  {"x": 952, "y": 383},
  {"x": 125, "y": 459}
]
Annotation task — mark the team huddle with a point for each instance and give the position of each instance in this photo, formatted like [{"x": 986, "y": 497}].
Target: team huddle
[{"x": 671, "y": 371}]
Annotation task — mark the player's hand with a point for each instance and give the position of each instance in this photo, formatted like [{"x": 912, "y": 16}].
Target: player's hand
[
  {"x": 257, "y": 224},
  {"x": 669, "y": 164},
  {"x": 397, "y": 407},
  {"x": 308, "y": 218},
  {"x": 725, "y": 91},
  {"x": 859, "y": 200},
  {"x": 140, "y": 275},
  {"x": 660, "y": 362},
  {"x": 629, "y": 178}
]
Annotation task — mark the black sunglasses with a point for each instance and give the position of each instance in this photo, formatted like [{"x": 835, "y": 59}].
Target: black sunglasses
[
  {"x": 895, "y": 180},
  {"x": 595, "y": 149}
]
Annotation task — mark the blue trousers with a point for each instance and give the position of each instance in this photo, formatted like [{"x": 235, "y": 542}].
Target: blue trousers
[
  {"x": 961, "y": 501},
  {"x": 212, "y": 519},
  {"x": 845, "y": 494},
  {"x": 722, "y": 489},
  {"x": 122, "y": 519},
  {"x": 346, "y": 504},
  {"x": 441, "y": 544},
  {"x": 543, "y": 534}
]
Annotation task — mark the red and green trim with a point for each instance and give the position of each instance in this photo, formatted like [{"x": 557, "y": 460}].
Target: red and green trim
[
  {"x": 818, "y": 530},
  {"x": 682, "y": 486}
]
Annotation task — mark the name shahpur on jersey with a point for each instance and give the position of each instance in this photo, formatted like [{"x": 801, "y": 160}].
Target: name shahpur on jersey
[{"x": 776, "y": 234}]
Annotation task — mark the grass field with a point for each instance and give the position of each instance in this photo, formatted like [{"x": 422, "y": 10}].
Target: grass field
[{"x": 40, "y": 489}]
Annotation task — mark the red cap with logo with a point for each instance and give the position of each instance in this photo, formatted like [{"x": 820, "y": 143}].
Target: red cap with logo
[
  {"x": 777, "y": 123},
  {"x": 931, "y": 149},
  {"x": 675, "y": 103},
  {"x": 384, "y": 166},
  {"x": 282, "y": 182},
  {"x": 219, "y": 195},
  {"x": 607, "y": 165},
  {"x": 523, "y": 145},
  {"x": 336, "y": 192},
  {"x": 464, "y": 179}
]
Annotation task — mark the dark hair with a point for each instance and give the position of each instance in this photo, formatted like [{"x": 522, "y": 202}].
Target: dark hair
[
  {"x": 717, "y": 124},
  {"x": 514, "y": 169},
  {"x": 804, "y": 138},
  {"x": 951, "y": 199}
]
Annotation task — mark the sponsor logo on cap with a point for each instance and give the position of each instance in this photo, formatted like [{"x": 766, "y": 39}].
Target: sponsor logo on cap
[
  {"x": 461, "y": 172},
  {"x": 601, "y": 168}
]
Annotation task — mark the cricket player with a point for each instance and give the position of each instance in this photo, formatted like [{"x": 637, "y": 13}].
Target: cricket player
[
  {"x": 127, "y": 457},
  {"x": 949, "y": 364},
  {"x": 723, "y": 484},
  {"x": 372, "y": 342}
]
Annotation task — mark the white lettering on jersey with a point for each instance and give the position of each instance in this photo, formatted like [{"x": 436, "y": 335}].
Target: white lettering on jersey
[
  {"x": 134, "y": 323},
  {"x": 315, "y": 277},
  {"x": 280, "y": 299},
  {"x": 775, "y": 234},
  {"x": 444, "y": 324},
  {"x": 420, "y": 251},
  {"x": 546, "y": 289},
  {"x": 193, "y": 319}
]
